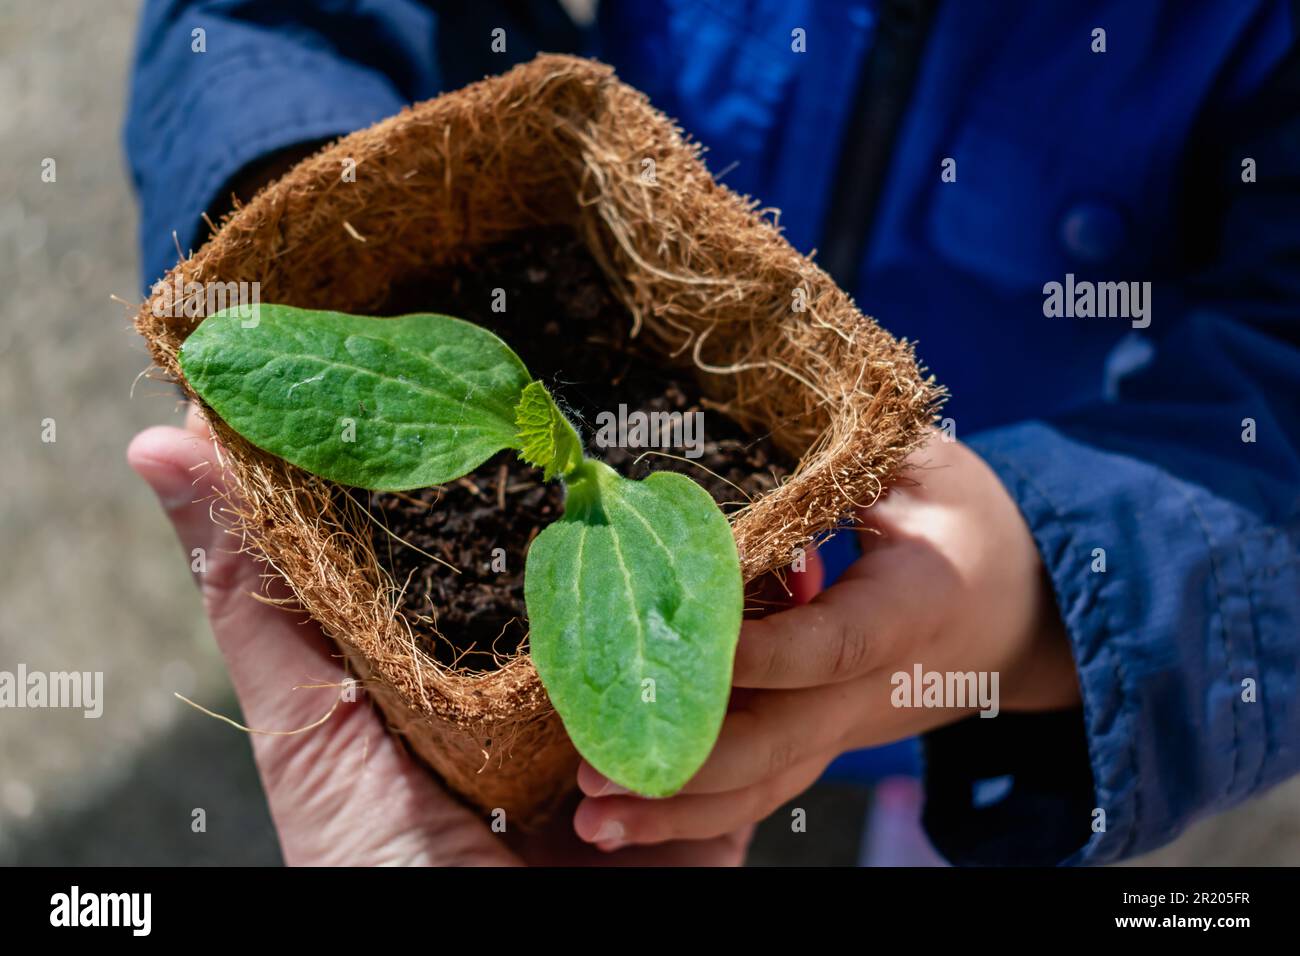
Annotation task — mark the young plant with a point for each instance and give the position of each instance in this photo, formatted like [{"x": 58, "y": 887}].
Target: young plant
[{"x": 634, "y": 596}]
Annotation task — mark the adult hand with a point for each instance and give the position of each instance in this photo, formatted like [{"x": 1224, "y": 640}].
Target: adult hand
[
  {"x": 950, "y": 579},
  {"x": 346, "y": 791}
]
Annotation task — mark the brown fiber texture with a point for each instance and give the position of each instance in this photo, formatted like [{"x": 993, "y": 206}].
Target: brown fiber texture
[{"x": 710, "y": 283}]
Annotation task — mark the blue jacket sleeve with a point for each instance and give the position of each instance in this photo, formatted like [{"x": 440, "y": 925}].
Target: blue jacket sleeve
[
  {"x": 218, "y": 84},
  {"x": 1168, "y": 517}
]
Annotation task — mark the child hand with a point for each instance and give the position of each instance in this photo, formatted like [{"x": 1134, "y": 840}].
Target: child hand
[{"x": 950, "y": 579}]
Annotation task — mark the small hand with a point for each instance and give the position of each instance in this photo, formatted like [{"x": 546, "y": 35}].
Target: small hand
[{"x": 949, "y": 579}]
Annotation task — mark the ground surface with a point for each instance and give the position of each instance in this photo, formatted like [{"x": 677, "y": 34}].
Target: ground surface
[{"x": 92, "y": 577}]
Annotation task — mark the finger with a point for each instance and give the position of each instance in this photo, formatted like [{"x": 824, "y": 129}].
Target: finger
[
  {"x": 614, "y": 822},
  {"x": 595, "y": 784},
  {"x": 196, "y": 423},
  {"x": 268, "y": 650},
  {"x": 808, "y": 583},
  {"x": 772, "y": 732},
  {"x": 180, "y": 466},
  {"x": 776, "y": 729},
  {"x": 851, "y": 627},
  {"x": 778, "y": 590}
]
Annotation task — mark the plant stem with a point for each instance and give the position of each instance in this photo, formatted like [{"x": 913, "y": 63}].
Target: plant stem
[{"x": 585, "y": 484}]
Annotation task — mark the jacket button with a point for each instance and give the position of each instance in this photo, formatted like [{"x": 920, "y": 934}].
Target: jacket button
[{"x": 1093, "y": 232}]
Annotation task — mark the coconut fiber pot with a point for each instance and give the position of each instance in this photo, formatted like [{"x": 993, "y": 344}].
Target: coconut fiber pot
[{"x": 709, "y": 286}]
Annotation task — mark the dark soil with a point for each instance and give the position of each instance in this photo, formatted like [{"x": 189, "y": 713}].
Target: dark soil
[{"x": 573, "y": 334}]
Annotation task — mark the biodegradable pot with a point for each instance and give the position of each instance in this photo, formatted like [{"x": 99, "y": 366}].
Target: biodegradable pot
[{"x": 710, "y": 284}]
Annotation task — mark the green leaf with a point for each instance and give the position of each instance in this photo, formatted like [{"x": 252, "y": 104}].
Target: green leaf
[
  {"x": 634, "y": 603},
  {"x": 377, "y": 403},
  {"x": 634, "y": 596},
  {"x": 545, "y": 438}
]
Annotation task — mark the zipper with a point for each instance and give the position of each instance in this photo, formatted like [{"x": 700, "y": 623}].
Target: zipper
[{"x": 884, "y": 90}]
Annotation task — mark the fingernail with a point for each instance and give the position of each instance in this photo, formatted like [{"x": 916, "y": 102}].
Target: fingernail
[
  {"x": 610, "y": 835},
  {"x": 173, "y": 490},
  {"x": 174, "y": 495},
  {"x": 596, "y": 784},
  {"x": 153, "y": 456}
]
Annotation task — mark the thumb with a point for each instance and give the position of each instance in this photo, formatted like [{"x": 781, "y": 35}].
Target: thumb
[
  {"x": 851, "y": 628},
  {"x": 267, "y": 650},
  {"x": 180, "y": 465}
]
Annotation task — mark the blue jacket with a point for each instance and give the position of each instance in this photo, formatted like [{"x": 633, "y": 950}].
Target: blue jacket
[{"x": 1171, "y": 443}]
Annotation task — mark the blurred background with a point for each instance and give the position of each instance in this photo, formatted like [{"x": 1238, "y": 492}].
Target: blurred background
[{"x": 93, "y": 579}]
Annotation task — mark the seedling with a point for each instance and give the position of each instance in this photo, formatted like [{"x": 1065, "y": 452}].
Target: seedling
[{"x": 634, "y": 595}]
